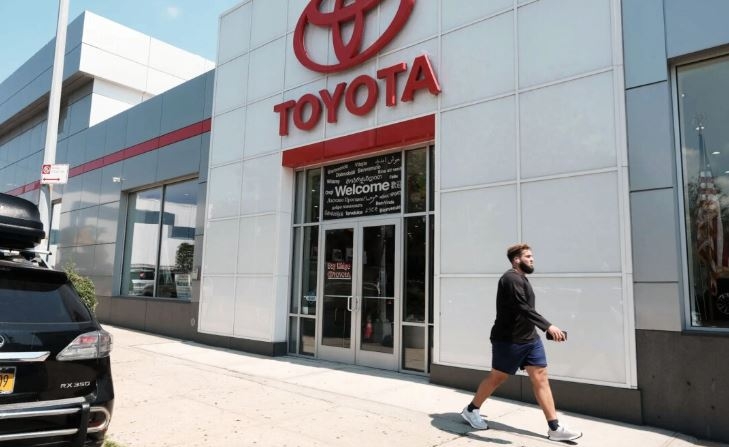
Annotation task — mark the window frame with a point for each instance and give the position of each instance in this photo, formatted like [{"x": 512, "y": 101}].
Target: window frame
[
  {"x": 124, "y": 237},
  {"x": 685, "y": 279}
]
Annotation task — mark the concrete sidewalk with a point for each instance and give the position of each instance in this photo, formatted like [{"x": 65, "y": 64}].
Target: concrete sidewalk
[{"x": 175, "y": 393}]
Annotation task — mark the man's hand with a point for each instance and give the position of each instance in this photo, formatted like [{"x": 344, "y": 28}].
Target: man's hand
[{"x": 556, "y": 333}]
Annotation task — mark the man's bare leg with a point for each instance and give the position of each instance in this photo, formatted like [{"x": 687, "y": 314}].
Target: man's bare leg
[
  {"x": 488, "y": 386},
  {"x": 542, "y": 390}
]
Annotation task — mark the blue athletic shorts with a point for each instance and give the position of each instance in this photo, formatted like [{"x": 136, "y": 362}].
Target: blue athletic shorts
[{"x": 508, "y": 357}]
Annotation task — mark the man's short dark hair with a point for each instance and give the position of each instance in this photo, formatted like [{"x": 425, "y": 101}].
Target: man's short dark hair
[{"x": 516, "y": 250}]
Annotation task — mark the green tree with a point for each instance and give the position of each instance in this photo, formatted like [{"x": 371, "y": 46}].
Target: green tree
[{"x": 183, "y": 257}]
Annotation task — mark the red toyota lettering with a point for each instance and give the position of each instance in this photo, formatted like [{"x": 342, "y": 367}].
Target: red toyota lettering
[
  {"x": 350, "y": 98},
  {"x": 315, "y": 105},
  {"x": 421, "y": 77},
  {"x": 389, "y": 74},
  {"x": 331, "y": 102}
]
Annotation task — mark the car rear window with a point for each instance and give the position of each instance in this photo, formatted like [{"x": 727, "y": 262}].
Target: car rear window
[{"x": 27, "y": 301}]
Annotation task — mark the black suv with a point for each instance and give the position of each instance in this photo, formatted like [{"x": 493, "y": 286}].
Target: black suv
[{"x": 55, "y": 373}]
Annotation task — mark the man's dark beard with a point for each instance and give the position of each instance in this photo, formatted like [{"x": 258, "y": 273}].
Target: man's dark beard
[{"x": 526, "y": 268}]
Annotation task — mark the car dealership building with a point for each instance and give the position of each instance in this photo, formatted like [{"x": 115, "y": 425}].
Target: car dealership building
[{"x": 344, "y": 184}]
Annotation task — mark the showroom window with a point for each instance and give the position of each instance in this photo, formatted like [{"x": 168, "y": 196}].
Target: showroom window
[
  {"x": 703, "y": 95},
  {"x": 160, "y": 241}
]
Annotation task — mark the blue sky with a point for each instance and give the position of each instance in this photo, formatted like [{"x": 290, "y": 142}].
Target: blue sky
[{"x": 27, "y": 25}]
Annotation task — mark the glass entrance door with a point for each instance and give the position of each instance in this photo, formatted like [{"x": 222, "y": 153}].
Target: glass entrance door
[{"x": 360, "y": 293}]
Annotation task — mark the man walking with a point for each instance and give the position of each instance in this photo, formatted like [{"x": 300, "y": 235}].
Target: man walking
[{"x": 516, "y": 344}]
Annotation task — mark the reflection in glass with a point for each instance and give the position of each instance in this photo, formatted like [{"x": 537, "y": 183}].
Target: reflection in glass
[
  {"x": 293, "y": 331},
  {"x": 413, "y": 348},
  {"x": 431, "y": 178},
  {"x": 309, "y": 264},
  {"x": 336, "y": 322},
  {"x": 295, "y": 272},
  {"x": 378, "y": 324},
  {"x": 336, "y": 314},
  {"x": 415, "y": 185},
  {"x": 378, "y": 261},
  {"x": 431, "y": 239},
  {"x": 307, "y": 336},
  {"x": 142, "y": 240},
  {"x": 313, "y": 191},
  {"x": 299, "y": 196},
  {"x": 414, "y": 283},
  {"x": 378, "y": 288},
  {"x": 430, "y": 346},
  {"x": 703, "y": 92},
  {"x": 177, "y": 245}
]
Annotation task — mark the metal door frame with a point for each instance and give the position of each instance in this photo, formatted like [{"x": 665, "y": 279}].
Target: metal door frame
[{"x": 354, "y": 355}]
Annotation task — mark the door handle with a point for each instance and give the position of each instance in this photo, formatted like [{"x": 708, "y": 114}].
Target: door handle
[{"x": 349, "y": 303}]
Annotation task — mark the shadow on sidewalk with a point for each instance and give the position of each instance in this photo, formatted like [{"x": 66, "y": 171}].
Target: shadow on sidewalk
[{"x": 454, "y": 424}]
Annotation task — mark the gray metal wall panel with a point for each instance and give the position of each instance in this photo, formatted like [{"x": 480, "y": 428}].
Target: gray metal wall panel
[
  {"x": 76, "y": 150},
  {"x": 657, "y": 306},
  {"x": 204, "y": 156},
  {"x": 644, "y": 49},
  {"x": 140, "y": 171},
  {"x": 110, "y": 190},
  {"x": 79, "y": 113},
  {"x": 209, "y": 85},
  {"x": 116, "y": 133},
  {"x": 202, "y": 191},
  {"x": 72, "y": 193},
  {"x": 179, "y": 159},
  {"x": 72, "y": 61},
  {"x": 183, "y": 105},
  {"x": 103, "y": 260},
  {"x": 107, "y": 223},
  {"x": 650, "y": 145},
  {"x": 695, "y": 25},
  {"x": 90, "y": 193},
  {"x": 88, "y": 223},
  {"x": 144, "y": 121},
  {"x": 95, "y": 142},
  {"x": 654, "y": 236}
]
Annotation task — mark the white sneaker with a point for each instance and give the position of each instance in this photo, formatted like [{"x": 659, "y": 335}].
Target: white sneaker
[
  {"x": 474, "y": 418},
  {"x": 563, "y": 434}
]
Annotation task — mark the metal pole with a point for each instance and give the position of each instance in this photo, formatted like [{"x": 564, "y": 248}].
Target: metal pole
[{"x": 54, "y": 107}]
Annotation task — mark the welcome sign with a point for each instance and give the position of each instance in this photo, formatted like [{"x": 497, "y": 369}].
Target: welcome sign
[{"x": 365, "y": 187}]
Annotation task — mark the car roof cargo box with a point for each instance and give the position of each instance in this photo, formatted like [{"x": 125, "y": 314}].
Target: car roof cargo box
[{"x": 20, "y": 224}]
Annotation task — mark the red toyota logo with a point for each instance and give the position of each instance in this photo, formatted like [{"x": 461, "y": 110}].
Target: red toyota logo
[{"x": 349, "y": 54}]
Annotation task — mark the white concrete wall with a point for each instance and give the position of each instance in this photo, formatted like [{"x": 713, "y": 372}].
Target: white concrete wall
[{"x": 530, "y": 145}]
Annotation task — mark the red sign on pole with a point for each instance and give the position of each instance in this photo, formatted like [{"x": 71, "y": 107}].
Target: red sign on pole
[{"x": 54, "y": 174}]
